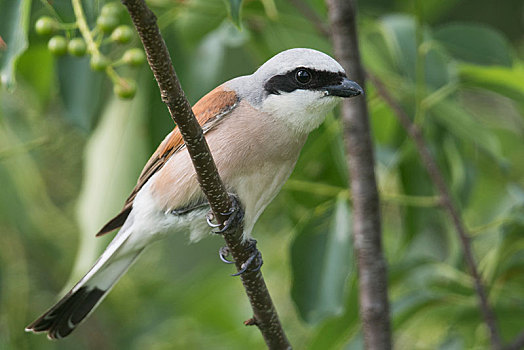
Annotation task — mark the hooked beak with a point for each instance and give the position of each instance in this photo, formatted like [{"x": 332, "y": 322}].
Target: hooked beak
[{"x": 347, "y": 88}]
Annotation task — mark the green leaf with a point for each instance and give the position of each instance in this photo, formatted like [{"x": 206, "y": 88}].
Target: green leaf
[
  {"x": 82, "y": 100},
  {"x": 475, "y": 43},
  {"x": 270, "y": 8},
  {"x": 216, "y": 55},
  {"x": 321, "y": 259},
  {"x": 14, "y": 26},
  {"x": 401, "y": 271},
  {"x": 399, "y": 35},
  {"x": 407, "y": 307},
  {"x": 510, "y": 253},
  {"x": 461, "y": 177},
  {"x": 334, "y": 332},
  {"x": 337, "y": 262},
  {"x": 507, "y": 81},
  {"x": 196, "y": 19},
  {"x": 422, "y": 225},
  {"x": 323, "y": 157},
  {"x": 234, "y": 11},
  {"x": 399, "y": 32},
  {"x": 23, "y": 185},
  {"x": 40, "y": 76},
  {"x": 464, "y": 126}
]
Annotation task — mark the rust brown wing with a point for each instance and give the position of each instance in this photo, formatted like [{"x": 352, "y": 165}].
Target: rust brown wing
[{"x": 208, "y": 110}]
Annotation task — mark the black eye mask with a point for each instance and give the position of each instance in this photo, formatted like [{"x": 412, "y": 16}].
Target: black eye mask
[{"x": 302, "y": 79}]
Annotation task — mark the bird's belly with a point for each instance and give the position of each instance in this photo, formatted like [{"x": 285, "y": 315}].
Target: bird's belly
[
  {"x": 257, "y": 189},
  {"x": 154, "y": 221},
  {"x": 254, "y": 159}
]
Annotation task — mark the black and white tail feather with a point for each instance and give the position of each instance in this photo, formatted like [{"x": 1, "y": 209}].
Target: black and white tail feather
[{"x": 61, "y": 319}]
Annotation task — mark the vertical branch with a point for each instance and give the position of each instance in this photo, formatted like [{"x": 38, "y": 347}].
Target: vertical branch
[
  {"x": 374, "y": 305},
  {"x": 446, "y": 200},
  {"x": 265, "y": 316}
]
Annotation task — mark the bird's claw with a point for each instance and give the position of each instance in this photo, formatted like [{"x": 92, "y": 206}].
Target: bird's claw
[
  {"x": 231, "y": 216},
  {"x": 245, "y": 266},
  {"x": 209, "y": 218},
  {"x": 223, "y": 253},
  {"x": 255, "y": 257}
]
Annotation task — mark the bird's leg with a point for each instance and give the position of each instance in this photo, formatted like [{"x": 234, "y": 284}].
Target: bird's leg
[
  {"x": 188, "y": 209},
  {"x": 234, "y": 215}
]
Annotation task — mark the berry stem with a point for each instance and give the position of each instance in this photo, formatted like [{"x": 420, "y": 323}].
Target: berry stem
[
  {"x": 68, "y": 26},
  {"x": 92, "y": 47},
  {"x": 113, "y": 75}
]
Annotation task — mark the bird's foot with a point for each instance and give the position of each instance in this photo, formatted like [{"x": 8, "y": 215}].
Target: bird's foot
[
  {"x": 253, "y": 263},
  {"x": 223, "y": 253},
  {"x": 231, "y": 216}
]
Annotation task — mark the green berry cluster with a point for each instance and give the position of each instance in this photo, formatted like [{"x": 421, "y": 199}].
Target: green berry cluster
[{"x": 108, "y": 30}]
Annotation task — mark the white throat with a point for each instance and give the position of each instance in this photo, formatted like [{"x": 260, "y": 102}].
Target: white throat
[{"x": 301, "y": 111}]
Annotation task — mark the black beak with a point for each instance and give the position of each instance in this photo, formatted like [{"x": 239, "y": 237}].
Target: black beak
[{"x": 347, "y": 88}]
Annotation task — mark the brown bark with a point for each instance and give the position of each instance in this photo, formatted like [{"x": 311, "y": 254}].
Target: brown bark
[{"x": 374, "y": 304}]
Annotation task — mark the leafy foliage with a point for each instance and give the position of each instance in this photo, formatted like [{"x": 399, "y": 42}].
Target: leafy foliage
[
  {"x": 234, "y": 10},
  {"x": 320, "y": 256},
  {"x": 70, "y": 152},
  {"x": 14, "y": 28}
]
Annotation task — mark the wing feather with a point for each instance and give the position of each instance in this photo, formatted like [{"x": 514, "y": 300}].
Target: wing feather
[{"x": 208, "y": 111}]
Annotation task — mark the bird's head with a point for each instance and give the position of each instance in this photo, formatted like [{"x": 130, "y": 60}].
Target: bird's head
[{"x": 299, "y": 87}]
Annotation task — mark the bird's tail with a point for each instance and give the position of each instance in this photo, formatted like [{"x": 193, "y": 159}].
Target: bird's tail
[{"x": 61, "y": 319}]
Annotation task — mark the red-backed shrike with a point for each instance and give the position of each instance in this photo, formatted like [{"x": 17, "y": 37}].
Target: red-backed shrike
[{"x": 255, "y": 126}]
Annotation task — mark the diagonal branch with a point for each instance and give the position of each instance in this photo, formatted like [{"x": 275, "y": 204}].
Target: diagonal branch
[
  {"x": 438, "y": 179},
  {"x": 373, "y": 282},
  {"x": 517, "y": 343},
  {"x": 179, "y": 108},
  {"x": 265, "y": 316}
]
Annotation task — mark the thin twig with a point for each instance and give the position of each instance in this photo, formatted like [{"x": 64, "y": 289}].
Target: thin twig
[
  {"x": 265, "y": 315},
  {"x": 438, "y": 179},
  {"x": 373, "y": 282},
  {"x": 83, "y": 27}
]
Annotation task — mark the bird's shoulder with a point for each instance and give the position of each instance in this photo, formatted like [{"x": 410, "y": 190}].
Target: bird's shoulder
[{"x": 208, "y": 111}]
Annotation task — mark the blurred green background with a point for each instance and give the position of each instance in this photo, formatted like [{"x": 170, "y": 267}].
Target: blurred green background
[{"x": 70, "y": 152}]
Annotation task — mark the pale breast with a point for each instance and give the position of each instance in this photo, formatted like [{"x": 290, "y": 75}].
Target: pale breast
[{"x": 253, "y": 153}]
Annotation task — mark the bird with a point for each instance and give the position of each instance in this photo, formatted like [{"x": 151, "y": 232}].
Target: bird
[{"x": 255, "y": 126}]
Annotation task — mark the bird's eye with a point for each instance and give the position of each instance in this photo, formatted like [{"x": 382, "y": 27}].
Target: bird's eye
[{"x": 303, "y": 76}]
